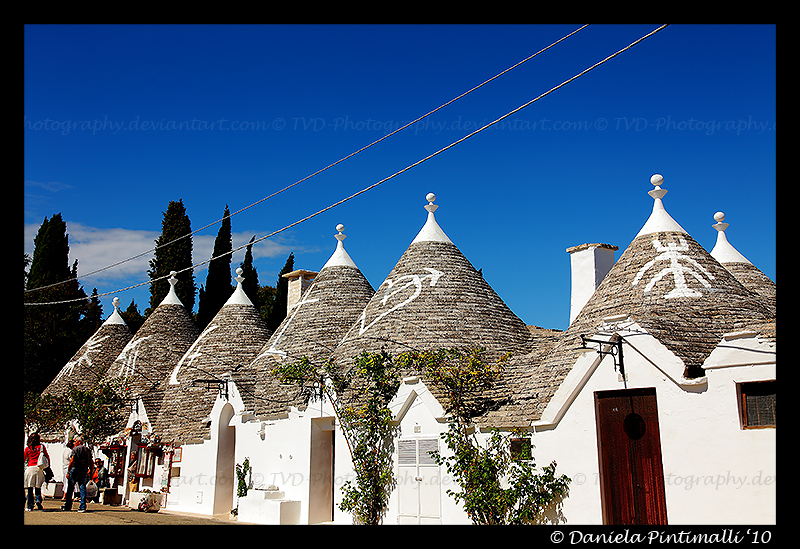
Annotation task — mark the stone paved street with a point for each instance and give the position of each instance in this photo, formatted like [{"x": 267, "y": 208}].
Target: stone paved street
[{"x": 97, "y": 514}]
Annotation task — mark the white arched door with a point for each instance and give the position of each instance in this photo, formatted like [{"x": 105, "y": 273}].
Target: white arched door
[{"x": 225, "y": 475}]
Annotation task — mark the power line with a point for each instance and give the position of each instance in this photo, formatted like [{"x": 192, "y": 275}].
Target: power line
[
  {"x": 384, "y": 180},
  {"x": 313, "y": 174}
]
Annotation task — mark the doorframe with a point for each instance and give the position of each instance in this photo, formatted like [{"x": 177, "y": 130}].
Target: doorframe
[{"x": 632, "y": 436}]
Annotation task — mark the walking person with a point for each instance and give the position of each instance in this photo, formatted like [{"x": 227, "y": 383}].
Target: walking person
[
  {"x": 79, "y": 473},
  {"x": 36, "y": 461}
]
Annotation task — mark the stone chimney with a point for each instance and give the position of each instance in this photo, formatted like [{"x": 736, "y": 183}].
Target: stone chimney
[
  {"x": 589, "y": 265},
  {"x": 299, "y": 281}
]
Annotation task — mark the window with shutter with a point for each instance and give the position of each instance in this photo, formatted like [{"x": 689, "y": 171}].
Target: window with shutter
[{"x": 757, "y": 404}]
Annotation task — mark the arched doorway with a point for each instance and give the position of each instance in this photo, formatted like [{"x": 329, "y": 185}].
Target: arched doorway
[{"x": 224, "y": 475}]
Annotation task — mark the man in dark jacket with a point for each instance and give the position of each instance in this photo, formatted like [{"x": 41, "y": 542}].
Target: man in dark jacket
[{"x": 79, "y": 472}]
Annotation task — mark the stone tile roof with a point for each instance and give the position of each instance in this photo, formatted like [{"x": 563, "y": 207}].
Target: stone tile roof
[
  {"x": 668, "y": 284},
  {"x": 144, "y": 365},
  {"x": 94, "y": 357},
  {"x": 312, "y": 328},
  {"x": 225, "y": 348}
]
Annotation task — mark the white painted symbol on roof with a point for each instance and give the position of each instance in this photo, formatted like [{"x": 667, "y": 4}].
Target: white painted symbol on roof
[
  {"x": 272, "y": 350},
  {"x": 190, "y": 356},
  {"x": 129, "y": 356},
  {"x": 92, "y": 346},
  {"x": 672, "y": 253},
  {"x": 394, "y": 286}
]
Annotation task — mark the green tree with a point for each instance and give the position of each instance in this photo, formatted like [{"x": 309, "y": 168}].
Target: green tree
[
  {"x": 132, "y": 317},
  {"x": 218, "y": 280},
  {"x": 250, "y": 274},
  {"x": 496, "y": 486},
  {"x": 366, "y": 424},
  {"x": 278, "y": 310},
  {"x": 173, "y": 253},
  {"x": 52, "y": 333}
]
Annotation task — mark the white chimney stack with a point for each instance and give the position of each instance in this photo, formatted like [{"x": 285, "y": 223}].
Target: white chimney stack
[
  {"x": 590, "y": 263},
  {"x": 299, "y": 281}
]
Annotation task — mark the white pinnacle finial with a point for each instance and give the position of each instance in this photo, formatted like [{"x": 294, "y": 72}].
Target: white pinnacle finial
[
  {"x": 172, "y": 297},
  {"x": 238, "y": 296},
  {"x": 659, "y": 219},
  {"x": 723, "y": 251},
  {"x": 431, "y": 230},
  {"x": 115, "y": 317},
  {"x": 340, "y": 257},
  {"x": 431, "y": 207}
]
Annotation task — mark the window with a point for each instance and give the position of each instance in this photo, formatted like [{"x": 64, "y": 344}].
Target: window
[
  {"x": 758, "y": 404},
  {"x": 116, "y": 460},
  {"x": 146, "y": 461},
  {"x": 521, "y": 449}
]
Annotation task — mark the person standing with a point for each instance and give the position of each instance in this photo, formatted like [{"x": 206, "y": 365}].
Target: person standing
[
  {"x": 79, "y": 473},
  {"x": 34, "y": 471},
  {"x": 65, "y": 457},
  {"x": 100, "y": 478}
]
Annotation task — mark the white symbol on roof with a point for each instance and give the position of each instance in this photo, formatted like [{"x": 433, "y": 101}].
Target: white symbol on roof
[
  {"x": 129, "y": 356},
  {"x": 272, "y": 349},
  {"x": 394, "y": 286},
  {"x": 190, "y": 356},
  {"x": 672, "y": 253}
]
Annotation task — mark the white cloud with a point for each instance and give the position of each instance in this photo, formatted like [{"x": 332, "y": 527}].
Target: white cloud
[{"x": 96, "y": 249}]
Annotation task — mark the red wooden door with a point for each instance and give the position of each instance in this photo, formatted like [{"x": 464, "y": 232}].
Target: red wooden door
[{"x": 631, "y": 473}]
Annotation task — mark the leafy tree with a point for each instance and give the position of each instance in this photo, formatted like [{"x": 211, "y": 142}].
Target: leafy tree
[
  {"x": 218, "y": 280},
  {"x": 132, "y": 317},
  {"x": 496, "y": 486},
  {"x": 250, "y": 274},
  {"x": 366, "y": 423},
  {"x": 52, "y": 333},
  {"x": 278, "y": 311},
  {"x": 96, "y": 410},
  {"x": 173, "y": 253}
]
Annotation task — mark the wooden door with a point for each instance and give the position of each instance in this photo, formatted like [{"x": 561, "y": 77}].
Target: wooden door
[{"x": 631, "y": 473}]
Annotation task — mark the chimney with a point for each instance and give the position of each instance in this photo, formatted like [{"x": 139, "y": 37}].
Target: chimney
[
  {"x": 299, "y": 281},
  {"x": 589, "y": 265}
]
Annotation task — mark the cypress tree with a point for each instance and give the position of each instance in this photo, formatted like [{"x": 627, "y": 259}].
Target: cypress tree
[
  {"x": 278, "y": 312},
  {"x": 250, "y": 274},
  {"x": 175, "y": 255},
  {"x": 218, "y": 280},
  {"x": 132, "y": 317},
  {"x": 52, "y": 333}
]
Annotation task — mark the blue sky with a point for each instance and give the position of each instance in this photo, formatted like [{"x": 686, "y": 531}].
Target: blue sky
[{"x": 120, "y": 120}]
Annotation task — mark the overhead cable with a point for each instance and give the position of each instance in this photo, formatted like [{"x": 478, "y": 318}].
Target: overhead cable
[
  {"x": 384, "y": 180},
  {"x": 401, "y": 128}
]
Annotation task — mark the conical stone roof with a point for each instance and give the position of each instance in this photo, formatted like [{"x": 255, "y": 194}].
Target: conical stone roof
[
  {"x": 223, "y": 350},
  {"x": 434, "y": 298},
  {"x": 668, "y": 284},
  {"x": 312, "y": 328},
  {"x": 740, "y": 267},
  {"x": 94, "y": 357},
  {"x": 143, "y": 366}
]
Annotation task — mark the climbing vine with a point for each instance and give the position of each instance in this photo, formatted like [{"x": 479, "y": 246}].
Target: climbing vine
[
  {"x": 366, "y": 423},
  {"x": 496, "y": 486}
]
